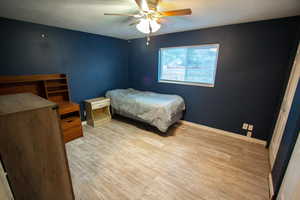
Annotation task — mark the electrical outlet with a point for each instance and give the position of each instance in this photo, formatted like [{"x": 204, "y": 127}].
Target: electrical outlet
[
  {"x": 249, "y": 134},
  {"x": 245, "y": 126},
  {"x": 250, "y": 127}
]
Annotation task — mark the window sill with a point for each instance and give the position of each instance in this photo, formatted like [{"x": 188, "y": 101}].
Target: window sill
[{"x": 187, "y": 83}]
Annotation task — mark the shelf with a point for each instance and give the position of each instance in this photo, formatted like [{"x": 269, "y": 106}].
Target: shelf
[
  {"x": 56, "y": 85},
  {"x": 55, "y": 79},
  {"x": 32, "y": 78},
  {"x": 57, "y": 91}
]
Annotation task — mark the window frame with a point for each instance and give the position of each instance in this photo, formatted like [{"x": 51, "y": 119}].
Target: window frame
[{"x": 159, "y": 80}]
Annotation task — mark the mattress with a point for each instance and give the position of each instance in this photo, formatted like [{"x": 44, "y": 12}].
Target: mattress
[{"x": 159, "y": 110}]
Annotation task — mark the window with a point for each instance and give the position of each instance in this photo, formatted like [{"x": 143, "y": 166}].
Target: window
[{"x": 191, "y": 65}]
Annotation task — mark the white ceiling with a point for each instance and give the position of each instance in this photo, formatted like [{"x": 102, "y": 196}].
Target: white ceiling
[{"x": 87, "y": 15}]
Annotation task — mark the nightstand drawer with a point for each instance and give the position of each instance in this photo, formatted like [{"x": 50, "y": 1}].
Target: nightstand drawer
[{"x": 100, "y": 104}]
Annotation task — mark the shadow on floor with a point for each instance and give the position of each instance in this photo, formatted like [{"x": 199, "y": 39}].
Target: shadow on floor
[{"x": 170, "y": 132}]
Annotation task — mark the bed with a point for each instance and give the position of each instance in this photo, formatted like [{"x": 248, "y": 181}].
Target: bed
[{"x": 159, "y": 110}]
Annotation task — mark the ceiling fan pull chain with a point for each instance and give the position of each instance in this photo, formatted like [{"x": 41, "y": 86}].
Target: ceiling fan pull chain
[
  {"x": 148, "y": 36},
  {"x": 148, "y": 39}
]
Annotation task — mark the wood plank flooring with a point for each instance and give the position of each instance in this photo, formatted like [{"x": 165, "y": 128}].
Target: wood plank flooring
[{"x": 126, "y": 161}]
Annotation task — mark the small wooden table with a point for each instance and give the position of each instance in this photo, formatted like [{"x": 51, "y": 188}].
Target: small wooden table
[{"x": 97, "y": 111}]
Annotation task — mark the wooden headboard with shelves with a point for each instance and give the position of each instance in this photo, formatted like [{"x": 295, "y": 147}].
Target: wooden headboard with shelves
[
  {"x": 50, "y": 86},
  {"x": 53, "y": 87}
]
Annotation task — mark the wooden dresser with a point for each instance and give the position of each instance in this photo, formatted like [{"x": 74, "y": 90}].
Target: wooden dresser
[
  {"x": 53, "y": 87},
  {"x": 32, "y": 149}
]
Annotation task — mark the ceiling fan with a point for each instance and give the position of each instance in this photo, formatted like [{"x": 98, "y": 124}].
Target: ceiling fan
[{"x": 148, "y": 20}]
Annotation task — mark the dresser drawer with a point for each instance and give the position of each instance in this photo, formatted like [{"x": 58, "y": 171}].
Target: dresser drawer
[
  {"x": 70, "y": 122},
  {"x": 72, "y": 133}
]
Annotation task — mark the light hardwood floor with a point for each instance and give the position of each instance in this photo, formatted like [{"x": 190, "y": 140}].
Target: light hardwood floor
[{"x": 122, "y": 161}]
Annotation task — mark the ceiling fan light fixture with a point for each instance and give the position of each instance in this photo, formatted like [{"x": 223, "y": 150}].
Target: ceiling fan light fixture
[{"x": 145, "y": 24}]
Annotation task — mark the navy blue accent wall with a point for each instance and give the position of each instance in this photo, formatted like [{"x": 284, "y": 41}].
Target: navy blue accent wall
[
  {"x": 93, "y": 63},
  {"x": 288, "y": 141},
  {"x": 254, "y": 61}
]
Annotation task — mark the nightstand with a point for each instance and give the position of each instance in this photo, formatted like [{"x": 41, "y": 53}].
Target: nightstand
[{"x": 97, "y": 111}]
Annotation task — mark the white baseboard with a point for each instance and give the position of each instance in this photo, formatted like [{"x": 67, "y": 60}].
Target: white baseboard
[
  {"x": 271, "y": 186},
  {"x": 219, "y": 131}
]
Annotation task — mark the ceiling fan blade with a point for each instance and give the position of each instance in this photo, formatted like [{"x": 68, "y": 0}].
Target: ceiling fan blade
[
  {"x": 162, "y": 20},
  {"x": 120, "y": 14},
  {"x": 134, "y": 23},
  {"x": 176, "y": 12},
  {"x": 142, "y": 4}
]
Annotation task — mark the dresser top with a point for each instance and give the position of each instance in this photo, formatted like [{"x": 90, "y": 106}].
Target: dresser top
[{"x": 21, "y": 102}]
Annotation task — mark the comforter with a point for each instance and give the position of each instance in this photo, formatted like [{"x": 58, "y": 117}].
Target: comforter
[{"x": 159, "y": 110}]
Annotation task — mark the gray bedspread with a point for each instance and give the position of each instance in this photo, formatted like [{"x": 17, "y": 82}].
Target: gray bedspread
[{"x": 159, "y": 110}]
